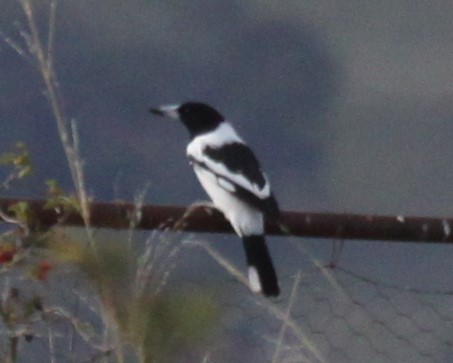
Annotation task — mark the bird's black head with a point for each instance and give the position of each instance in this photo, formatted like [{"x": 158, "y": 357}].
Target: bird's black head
[{"x": 199, "y": 118}]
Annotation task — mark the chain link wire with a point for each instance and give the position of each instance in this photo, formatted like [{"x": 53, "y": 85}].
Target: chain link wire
[{"x": 344, "y": 316}]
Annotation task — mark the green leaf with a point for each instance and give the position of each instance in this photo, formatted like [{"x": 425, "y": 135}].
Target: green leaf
[{"x": 21, "y": 211}]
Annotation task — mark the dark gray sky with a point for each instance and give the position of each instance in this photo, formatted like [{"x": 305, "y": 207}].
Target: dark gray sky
[
  {"x": 353, "y": 98},
  {"x": 348, "y": 105}
]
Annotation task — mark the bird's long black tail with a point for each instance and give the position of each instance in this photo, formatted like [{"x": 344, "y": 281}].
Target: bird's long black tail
[{"x": 262, "y": 276}]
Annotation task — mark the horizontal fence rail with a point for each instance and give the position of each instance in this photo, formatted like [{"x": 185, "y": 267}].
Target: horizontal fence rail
[{"x": 118, "y": 215}]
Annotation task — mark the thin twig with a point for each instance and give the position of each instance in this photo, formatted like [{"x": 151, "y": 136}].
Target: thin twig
[
  {"x": 281, "y": 335},
  {"x": 67, "y": 130},
  {"x": 297, "y": 331},
  {"x": 51, "y": 32}
]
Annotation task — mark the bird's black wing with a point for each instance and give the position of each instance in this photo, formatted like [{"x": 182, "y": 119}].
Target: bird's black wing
[{"x": 238, "y": 170}]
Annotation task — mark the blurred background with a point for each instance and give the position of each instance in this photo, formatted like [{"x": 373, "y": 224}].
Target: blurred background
[{"x": 348, "y": 106}]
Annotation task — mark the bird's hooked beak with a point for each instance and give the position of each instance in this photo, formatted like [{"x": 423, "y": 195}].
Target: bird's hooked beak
[{"x": 166, "y": 111}]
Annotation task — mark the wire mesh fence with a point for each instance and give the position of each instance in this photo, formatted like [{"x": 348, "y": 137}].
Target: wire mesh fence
[
  {"x": 327, "y": 312},
  {"x": 344, "y": 317},
  {"x": 368, "y": 321}
]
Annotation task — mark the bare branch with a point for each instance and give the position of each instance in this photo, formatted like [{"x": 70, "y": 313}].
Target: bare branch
[{"x": 303, "y": 224}]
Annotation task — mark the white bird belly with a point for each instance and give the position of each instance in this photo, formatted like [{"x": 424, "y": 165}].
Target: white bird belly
[{"x": 244, "y": 219}]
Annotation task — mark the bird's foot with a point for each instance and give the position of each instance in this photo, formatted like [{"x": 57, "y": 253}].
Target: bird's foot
[{"x": 206, "y": 205}]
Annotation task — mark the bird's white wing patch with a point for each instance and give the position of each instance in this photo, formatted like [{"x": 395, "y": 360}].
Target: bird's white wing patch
[
  {"x": 225, "y": 184},
  {"x": 239, "y": 179}
]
